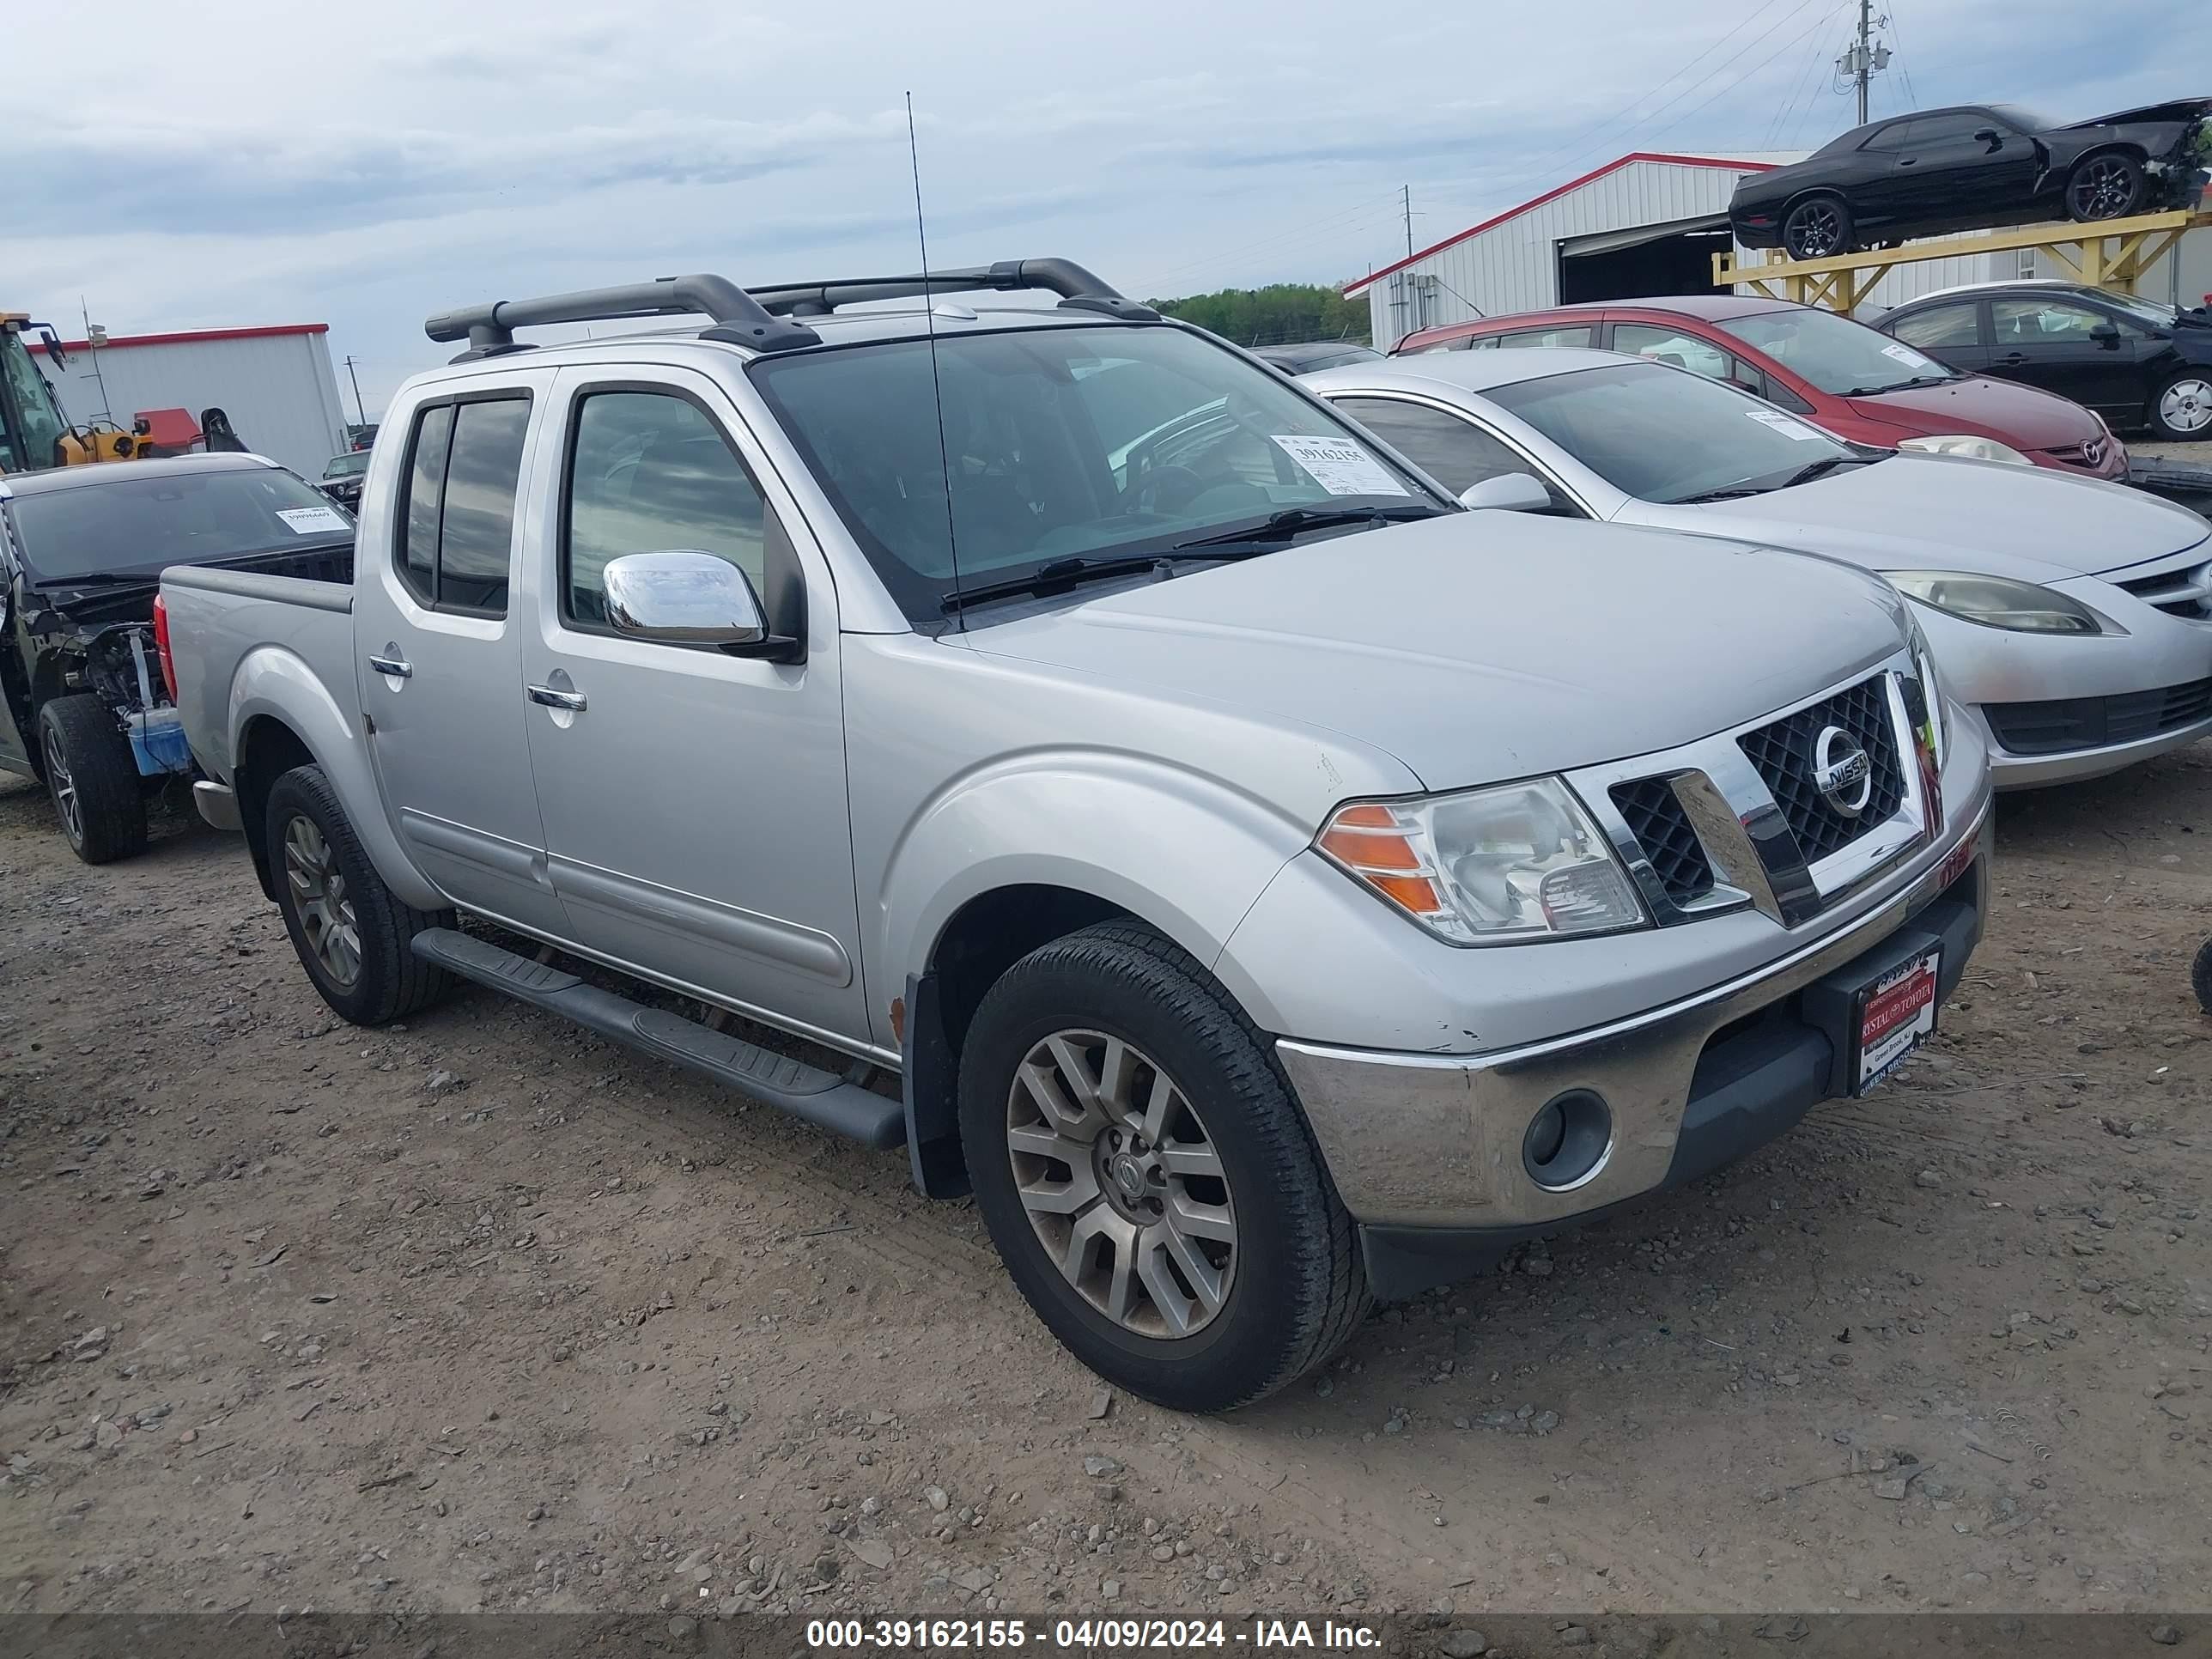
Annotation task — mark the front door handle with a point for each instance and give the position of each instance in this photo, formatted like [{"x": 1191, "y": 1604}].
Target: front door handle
[
  {"x": 2012, "y": 358},
  {"x": 573, "y": 700},
  {"x": 397, "y": 668}
]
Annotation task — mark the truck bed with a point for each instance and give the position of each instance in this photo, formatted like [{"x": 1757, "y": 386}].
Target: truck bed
[{"x": 231, "y": 630}]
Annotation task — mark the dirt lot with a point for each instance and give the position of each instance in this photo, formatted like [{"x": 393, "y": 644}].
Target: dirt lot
[{"x": 482, "y": 1313}]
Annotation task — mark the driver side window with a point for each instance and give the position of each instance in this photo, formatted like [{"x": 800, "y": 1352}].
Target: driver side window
[
  {"x": 1457, "y": 453},
  {"x": 650, "y": 472}
]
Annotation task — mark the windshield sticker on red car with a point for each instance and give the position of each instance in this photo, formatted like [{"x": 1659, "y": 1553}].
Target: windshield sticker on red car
[
  {"x": 1783, "y": 424},
  {"x": 1339, "y": 465},
  {"x": 1907, "y": 355},
  {"x": 310, "y": 520}
]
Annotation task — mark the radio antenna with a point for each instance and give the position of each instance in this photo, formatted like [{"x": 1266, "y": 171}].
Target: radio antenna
[{"x": 936, "y": 386}]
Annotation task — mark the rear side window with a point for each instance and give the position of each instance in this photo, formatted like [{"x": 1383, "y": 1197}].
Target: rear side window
[
  {"x": 1941, "y": 325},
  {"x": 1544, "y": 336},
  {"x": 650, "y": 472},
  {"x": 464, "y": 468}
]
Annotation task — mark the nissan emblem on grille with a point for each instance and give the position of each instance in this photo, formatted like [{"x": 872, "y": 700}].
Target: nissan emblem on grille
[{"x": 1841, "y": 771}]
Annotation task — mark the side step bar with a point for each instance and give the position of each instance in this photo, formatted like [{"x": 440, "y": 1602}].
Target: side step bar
[{"x": 822, "y": 1098}]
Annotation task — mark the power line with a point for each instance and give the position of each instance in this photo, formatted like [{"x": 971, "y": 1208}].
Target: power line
[{"x": 1818, "y": 23}]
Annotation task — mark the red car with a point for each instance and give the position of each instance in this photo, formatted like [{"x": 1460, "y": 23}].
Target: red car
[{"x": 1860, "y": 385}]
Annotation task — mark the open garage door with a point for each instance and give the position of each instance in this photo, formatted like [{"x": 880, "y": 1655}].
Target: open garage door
[{"x": 1642, "y": 261}]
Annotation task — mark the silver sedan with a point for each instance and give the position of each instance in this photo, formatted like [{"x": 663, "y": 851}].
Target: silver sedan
[{"x": 2076, "y": 616}]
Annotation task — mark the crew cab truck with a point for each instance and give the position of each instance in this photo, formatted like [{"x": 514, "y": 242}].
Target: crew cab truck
[{"x": 1271, "y": 882}]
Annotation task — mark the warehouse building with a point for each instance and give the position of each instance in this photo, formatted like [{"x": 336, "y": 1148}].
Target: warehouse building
[
  {"x": 275, "y": 384},
  {"x": 1646, "y": 224}
]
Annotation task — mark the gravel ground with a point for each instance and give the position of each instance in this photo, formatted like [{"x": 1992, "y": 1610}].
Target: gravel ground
[{"x": 481, "y": 1313}]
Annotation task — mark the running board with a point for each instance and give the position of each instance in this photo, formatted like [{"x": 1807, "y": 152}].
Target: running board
[{"x": 822, "y": 1098}]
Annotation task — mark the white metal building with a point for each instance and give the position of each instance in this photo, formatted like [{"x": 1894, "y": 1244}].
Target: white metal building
[
  {"x": 276, "y": 384},
  {"x": 1646, "y": 224}
]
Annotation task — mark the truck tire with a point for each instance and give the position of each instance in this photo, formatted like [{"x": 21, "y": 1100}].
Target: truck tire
[
  {"x": 93, "y": 779},
  {"x": 1147, "y": 1177},
  {"x": 351, "y": 931}
]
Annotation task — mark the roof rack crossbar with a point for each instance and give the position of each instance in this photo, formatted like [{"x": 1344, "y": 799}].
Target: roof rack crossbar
[
  {"x": 738, "y": 316},
  {"x": 1075, "y": 285}
]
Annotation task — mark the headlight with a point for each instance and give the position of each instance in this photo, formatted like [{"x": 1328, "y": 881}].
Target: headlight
[
  {"x": 1487, "y": 866},
  {"x": 1997, "y": 601},
  {"x": 1965, "y": 443},
  {"x": 1931, "y": 693}
]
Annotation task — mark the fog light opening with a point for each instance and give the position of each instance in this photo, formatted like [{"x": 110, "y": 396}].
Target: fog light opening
[{"x": 1567, "y": 1139}]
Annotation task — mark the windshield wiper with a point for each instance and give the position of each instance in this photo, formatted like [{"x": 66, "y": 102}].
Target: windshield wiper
[
  {"x": 1059, "y": 574},
  {"x": 1821, "y": 468},
  {"x": 1728, "y": 493},
  {"x": 1297, "y": 520},
  {"x": 1900, "y": 385}
]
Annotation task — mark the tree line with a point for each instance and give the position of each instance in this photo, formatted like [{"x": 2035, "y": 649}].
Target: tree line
[{"x": 1275, "y": 315}]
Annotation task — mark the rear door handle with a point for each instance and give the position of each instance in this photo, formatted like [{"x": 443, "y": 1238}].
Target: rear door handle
[
  {"x": 397, "y": 668},
  {"x": 2013, "y": 357},
  {"x": 553, "y": 699}
]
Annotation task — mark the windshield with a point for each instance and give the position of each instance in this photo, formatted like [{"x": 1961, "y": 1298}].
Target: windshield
[
  {"x": 30, "y": 424},
  {"x": 1841, "y": 357},
  {"x": 1082, "y": 443},
  {"x": 124, "y": 524},
  {"x": 2149, "y": 312},
  {"x": 347, "y": 467},
  {"x": 1665, "y": 434}
]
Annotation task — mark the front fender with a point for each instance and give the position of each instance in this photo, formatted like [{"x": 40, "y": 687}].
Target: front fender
[
  {"x": 274, "y": 683},
  {"x": 1177, "y": 849}
]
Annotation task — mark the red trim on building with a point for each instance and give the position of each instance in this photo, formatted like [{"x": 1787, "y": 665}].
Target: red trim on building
[
  {"x": 190, "y": 337},
  {"x": 1353, "y": 287}
]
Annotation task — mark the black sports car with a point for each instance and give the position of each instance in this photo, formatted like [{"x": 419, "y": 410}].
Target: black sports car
[{"x": 1974, "y": 168}]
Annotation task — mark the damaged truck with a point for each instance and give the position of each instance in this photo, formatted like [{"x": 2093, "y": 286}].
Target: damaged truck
[{"x": 87, "y": 694}]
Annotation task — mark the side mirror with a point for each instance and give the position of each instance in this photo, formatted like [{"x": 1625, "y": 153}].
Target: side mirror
[
  {"x": 685, "y": 597},
  {"x": 1990, "y": 136},
  {"x": 1508, "y": 492},
  {"x": 2106, "y": 334}
]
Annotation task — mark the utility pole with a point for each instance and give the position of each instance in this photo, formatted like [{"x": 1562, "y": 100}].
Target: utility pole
[
  {"x": 1863, "y": 59},
  {"x": 360, "y": 414},
  {"x": 1406, "y": 190}
]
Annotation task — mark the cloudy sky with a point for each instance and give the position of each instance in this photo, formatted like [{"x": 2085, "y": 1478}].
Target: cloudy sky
[{"x": 238, "y": 163}]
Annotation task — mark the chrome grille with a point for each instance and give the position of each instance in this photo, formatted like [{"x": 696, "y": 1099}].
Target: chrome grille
[
  {"x": 1654, "y": 815},
  {"x": 1783, "y": 755}
]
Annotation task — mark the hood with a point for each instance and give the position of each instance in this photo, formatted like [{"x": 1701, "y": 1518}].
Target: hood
[
  {"x": 1478, "y": 647},
  {"x": 1945, "y": 512},
  {"x": 2018, "y": 414},
  {"x": 2179, "y": 109}
]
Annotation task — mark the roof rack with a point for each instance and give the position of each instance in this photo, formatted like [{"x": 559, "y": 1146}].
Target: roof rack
[
  {"x": 1076, "y": 286},
  {"x": 763, "y": 318},
  {"x": 489, "y": 328}
]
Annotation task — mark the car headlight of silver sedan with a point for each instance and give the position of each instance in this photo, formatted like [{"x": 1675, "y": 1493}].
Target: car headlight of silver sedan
[
  {"x": 1997, "y": 602},
  {"x": 1973, "y": 446},
  {"x": 1501, "y": 866}
]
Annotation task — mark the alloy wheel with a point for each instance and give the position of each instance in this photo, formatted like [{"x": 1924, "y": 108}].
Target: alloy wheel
[
  {"x": 1815, "y": 229},
  {"x": 319, "y": 896},
  {"x": 2103, "y": 190},
  {"x": 1121, "y": 1183},
  {"x": 2186, "y": 406},
  {"x": 66, "y": 803}
]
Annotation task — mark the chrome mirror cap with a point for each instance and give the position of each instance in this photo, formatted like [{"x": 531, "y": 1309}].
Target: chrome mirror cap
[{"x": 682, "y": 596}]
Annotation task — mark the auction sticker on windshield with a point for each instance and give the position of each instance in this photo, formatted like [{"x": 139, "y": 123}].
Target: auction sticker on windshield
[
  {"x": 1895, "y": 1015},
  {"x": 310, "y": 520},
  {"x": 1783, "y": 424},
  {"x": 1339, "y": 465}
]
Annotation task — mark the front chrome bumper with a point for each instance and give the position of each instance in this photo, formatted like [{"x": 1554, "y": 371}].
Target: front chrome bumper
[{"x": 1435, "y": 1141}]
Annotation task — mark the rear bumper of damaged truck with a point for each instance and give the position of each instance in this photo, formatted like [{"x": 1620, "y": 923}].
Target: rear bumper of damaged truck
[{"x": 1430, "y": 1152}]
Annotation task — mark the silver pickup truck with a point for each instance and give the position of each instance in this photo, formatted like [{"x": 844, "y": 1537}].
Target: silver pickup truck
[{"x": 1271, "y": 883}]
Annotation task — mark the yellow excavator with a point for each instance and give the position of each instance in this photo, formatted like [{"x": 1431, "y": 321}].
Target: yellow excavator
[{"x": 34, "y": 433}]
